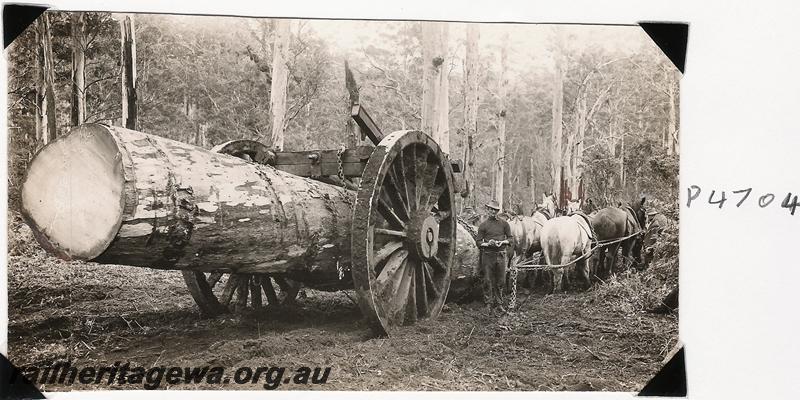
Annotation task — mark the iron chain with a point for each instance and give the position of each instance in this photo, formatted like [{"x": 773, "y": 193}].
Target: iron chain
[
  {"x": 512, "y": 303},
  {"x": 340, "y": 170}
]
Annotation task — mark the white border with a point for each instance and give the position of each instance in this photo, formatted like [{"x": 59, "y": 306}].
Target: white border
[{"x": 739, "y": 104}]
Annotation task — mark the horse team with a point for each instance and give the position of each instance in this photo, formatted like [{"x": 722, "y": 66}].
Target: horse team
[{"x": 591, "y": 242}]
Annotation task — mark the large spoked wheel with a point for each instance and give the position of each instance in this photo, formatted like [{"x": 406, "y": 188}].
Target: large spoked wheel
[
  {"x": 217, "y": 293},
  {"x": 404, "y": 231}
]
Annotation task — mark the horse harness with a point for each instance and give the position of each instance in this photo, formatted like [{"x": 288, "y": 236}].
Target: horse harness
[
  {"x": 590, "y": 231},
  {"x": 632, "y": 216},
  {"x": 544, "y": 212}
]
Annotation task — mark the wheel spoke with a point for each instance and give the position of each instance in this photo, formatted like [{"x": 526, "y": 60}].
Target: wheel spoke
[
  {"x": 435, "y": 194},
  {"x": 389, "y": 214},
  {"x": 399, "y": 298},
  {"x": 390, "y": 232},
  {"x": 410, "y": 314},
  {"x": 422, "y": 290},
  {"x": 395, "y": 191},
  {"x": 430, "y": 283},
  {"x": 437, "y": 263},
  {"x": 214, "y": 278},
  {"x": 255, "y": 291},
  {"x": 403, "y": 172},
  {"x": 411, "y": 181},
  {"x": 230, "y": 287},
  {"x": 386, "y": 251},
  {"x": 389, "y": 272},
  {"x": 269, "y": 290}
]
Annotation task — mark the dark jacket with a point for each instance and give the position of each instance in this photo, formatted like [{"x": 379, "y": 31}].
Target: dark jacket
[{"x": 493, "y": 228}]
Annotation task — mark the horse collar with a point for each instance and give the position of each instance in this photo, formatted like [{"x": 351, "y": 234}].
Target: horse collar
[
  {"x": 545, "y": 212},
  {"x": 592, "y": 234},
  {"x": 635, "y": 217}
]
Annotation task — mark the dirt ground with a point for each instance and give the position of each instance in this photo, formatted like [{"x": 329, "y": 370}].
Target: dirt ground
[{"x": 95, "y": 315}]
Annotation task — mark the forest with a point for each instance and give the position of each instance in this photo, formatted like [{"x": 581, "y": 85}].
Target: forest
[
  {"x": 577, "y": 111},
  {"x": 524, "y": 106}
]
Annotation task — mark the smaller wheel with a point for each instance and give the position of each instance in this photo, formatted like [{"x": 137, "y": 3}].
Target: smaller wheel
[{"x": 218, "y": 293}]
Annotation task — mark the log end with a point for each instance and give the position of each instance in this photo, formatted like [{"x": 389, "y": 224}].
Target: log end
[{"x": 72, "y": 196}]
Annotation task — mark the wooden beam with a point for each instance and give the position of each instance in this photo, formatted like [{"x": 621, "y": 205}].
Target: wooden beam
[
  {"x": 323, "y": 162},
  {"x": 366, "y": 124}
]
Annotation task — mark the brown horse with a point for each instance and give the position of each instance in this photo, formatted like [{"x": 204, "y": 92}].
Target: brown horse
[{"x": 613, "y": 223}]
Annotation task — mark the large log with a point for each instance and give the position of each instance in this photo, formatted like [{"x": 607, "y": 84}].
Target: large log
[
  {"x": 465, "y": 276},
  {"x": 118, "y": 196}
]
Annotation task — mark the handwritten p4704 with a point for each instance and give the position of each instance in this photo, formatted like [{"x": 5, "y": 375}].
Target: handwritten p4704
[{"x": 741, "y": 196}]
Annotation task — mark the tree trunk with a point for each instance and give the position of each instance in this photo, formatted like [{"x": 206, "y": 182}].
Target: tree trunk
[
  {"x": 622, "y": 163},
  {"x": 45, "y": 93},
  {"x": 471, "y": 67},
  {"x": 118, "y": 196},
  {"x": 611, "y": 145},
  {"x": 532, "y": 183},
  {"x": 672, "y": 127},
  {"x": 280, "y": 81},
  {"x": 128, "y": 40},
  {"x": 78, "y": 109},
  {"x": 435, "y": 83},
  {"x": 502, "y": 93},
  {"x": 557, "y": 134}
]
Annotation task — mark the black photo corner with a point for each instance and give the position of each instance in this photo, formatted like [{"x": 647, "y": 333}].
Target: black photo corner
[
  {"x": 13, "y": 384},
  {"x": 671, "y": 38},
  {"x": 670, "y": 381},
  {"x": 17, "y": 17}
]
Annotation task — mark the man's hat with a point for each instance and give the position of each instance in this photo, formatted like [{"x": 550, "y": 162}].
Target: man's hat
[{"x": 494, "y": 205}]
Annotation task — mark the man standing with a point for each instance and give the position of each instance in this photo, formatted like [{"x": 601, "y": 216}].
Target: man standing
[{"x": 494, "y": 235}]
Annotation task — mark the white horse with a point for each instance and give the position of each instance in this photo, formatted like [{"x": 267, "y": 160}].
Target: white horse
[
  {"x": 566, "y": 241},
  {"x": 526, "y": 233}
]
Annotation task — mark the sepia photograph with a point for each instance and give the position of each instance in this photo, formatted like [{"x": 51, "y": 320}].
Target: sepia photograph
[{"x": 241, "y": 203}]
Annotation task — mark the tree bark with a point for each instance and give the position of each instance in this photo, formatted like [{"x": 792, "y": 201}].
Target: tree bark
[
  {"x": 502, "y": 93},
  {"x": 471, "y": 67},
  {"x": 672, "y": 127},
  {"x": 557, "y": 132},
  {"x": 532, "y": 183},
  {"x": 622, "y": 163},
  {"x": 280, "y": 81},
  {"x": 45, "y": 92},
  {"x": 435, "y": 83},
  {"x": 125, "y": 197},
  {"x": 129, "y": 97},
  {"x": 78, "y": 109}
]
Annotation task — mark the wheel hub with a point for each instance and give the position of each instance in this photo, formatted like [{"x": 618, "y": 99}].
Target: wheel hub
[{"x": 423, "y": 236}]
